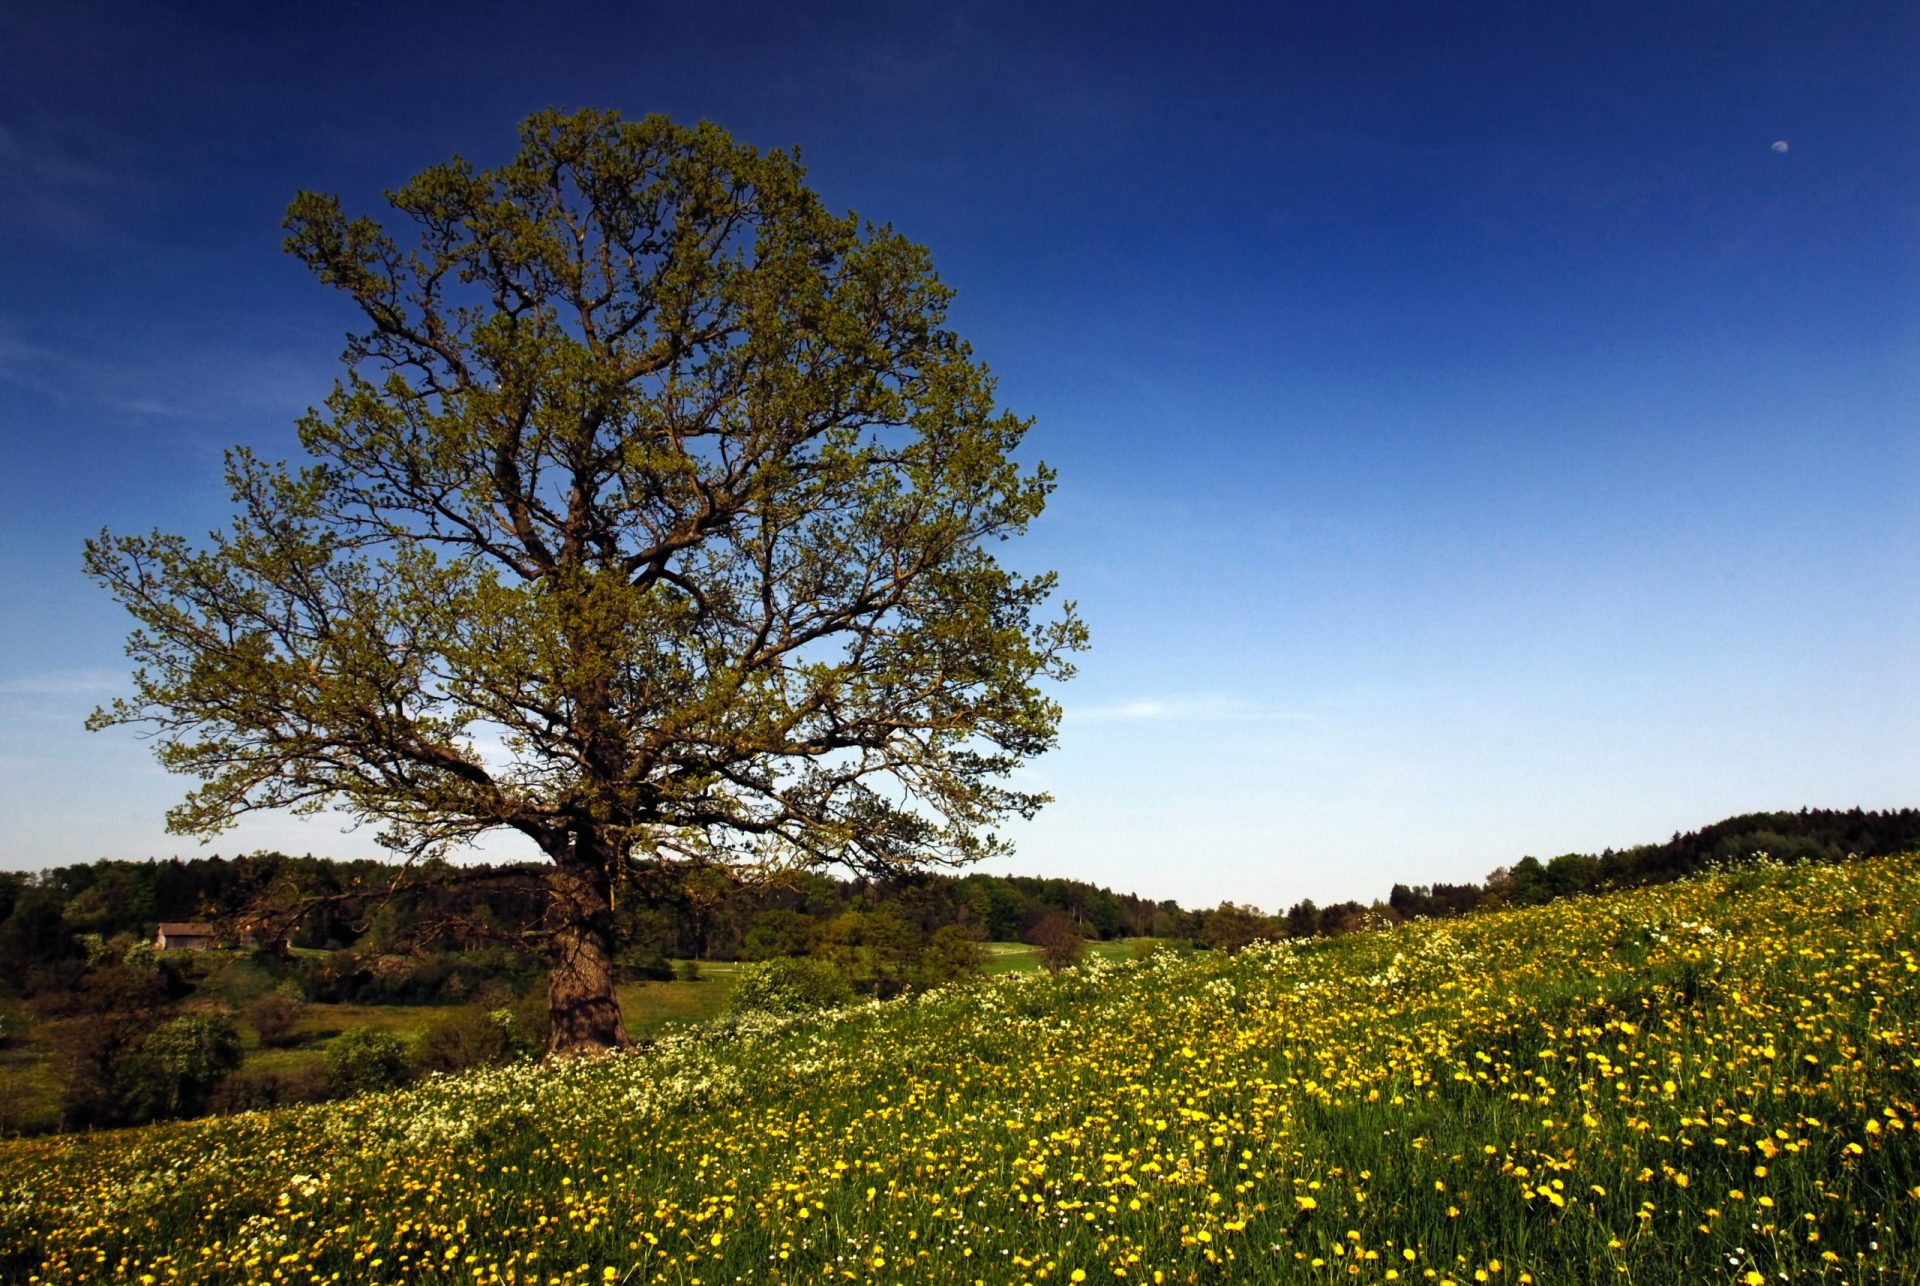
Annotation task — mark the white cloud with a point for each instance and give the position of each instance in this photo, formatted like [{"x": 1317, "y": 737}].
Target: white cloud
[
  {"x": 61, "y": 190},
  {"x": 1201, "y": 708},
  {"x": 64, "y": 683},
  {"x": 175, "y": 384}
]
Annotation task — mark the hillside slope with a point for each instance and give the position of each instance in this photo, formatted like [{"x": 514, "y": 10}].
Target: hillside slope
[{"x": 1706, "y": 1081}]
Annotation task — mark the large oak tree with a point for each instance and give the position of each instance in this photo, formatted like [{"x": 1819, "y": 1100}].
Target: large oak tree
[{"x": 651, "y": 519}]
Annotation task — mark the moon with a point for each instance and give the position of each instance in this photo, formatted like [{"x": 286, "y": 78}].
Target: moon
[{"x": 1780, "y": 145}]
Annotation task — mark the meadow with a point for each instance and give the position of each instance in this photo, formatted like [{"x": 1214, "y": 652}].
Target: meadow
[{"x": 1710, "y": 1081}]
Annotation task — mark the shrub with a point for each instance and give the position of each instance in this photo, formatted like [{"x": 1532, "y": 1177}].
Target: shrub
[
  {"x": 952, "y": 953},
  {"x": 239, "y": 980},
  {"x": 532, "y": 1020},
  {"x": 687, "y": 971},
  {"x": 245, "y": 1091},
  {"x": 248, "y": 1091},
  {"x": 789, "y": 985},
  {"x": 333, "y": 978},
  {"x": 494, "y": 993},
  {"x": 272, "y": 1018},
  {"x": 1059, "y": 942},
  {"x": 465, "y": 1038},
  {"x": 365, "y": 1059},
  {"x": 644, "y": 964}
]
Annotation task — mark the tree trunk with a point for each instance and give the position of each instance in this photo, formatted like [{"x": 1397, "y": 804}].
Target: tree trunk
[{"x": 580, "y": 998}]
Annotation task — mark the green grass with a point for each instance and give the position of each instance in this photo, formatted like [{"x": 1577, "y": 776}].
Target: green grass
[
  {"x": 321, "y": 1023},
  {"x": 1706, "y": 1082},
  {"x": 1022, "y": 957},
  {"x": 1121, "y": 949},
  {"x": 1012, "y": 957},
  {"x": 29, "y": 1090},
  {"x": 651, "y": 1009}
]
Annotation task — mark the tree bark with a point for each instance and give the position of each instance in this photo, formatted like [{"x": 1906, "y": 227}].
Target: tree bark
[{"x": 580, "y": 997}]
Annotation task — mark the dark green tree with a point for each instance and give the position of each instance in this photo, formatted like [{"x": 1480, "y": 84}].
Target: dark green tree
[
  {"x": 365, "y": 1060},
  {"x": 651, "y": 519},
  {"x": 1230, "y": 928},
  {"x": 1528, "y": 882},
  {"x": 778, "y": 933},
  {"x": 173, "y": 1071},
  {"x": 953, "y": 952}
]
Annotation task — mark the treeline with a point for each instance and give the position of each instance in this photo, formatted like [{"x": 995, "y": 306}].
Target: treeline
[
  {"x": 53, "y": 920},
  {"x": 1810, "y": 835},
  {"x": 377, "y": 908}
]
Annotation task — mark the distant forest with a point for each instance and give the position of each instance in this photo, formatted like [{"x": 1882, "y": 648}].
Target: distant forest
[
  {"x": 1810, "y": 835},
  {"x": 277, "y": 901},
  {"x": 370, "y": 908}
]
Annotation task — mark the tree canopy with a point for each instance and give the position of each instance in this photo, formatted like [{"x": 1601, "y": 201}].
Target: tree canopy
[{"x": 652, "y": 519}]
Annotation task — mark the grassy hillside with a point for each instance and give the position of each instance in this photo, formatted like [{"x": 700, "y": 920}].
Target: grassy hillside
[{"x": 1707, "y": 1081}]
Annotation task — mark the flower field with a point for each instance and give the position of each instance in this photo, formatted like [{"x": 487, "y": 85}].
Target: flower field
[{"x": 1713, "y": 1081}]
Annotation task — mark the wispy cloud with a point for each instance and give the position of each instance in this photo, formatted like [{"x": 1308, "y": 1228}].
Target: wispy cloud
[
  {"x": 63, "y": 683},
  {"x": 172, "y": 385},
  {"x": 61, "y": 190},
  {"x": 1203, "y": 708}
]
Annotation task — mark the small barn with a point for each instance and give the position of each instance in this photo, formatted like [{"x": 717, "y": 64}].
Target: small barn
[{"x": 180, "y": 935}]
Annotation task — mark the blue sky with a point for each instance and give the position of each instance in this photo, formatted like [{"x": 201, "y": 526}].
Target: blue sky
[{"x": 1476, "y": 436}]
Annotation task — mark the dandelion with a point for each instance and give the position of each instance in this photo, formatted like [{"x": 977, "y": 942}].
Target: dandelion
[{"x": 1412, "y": 1086}]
